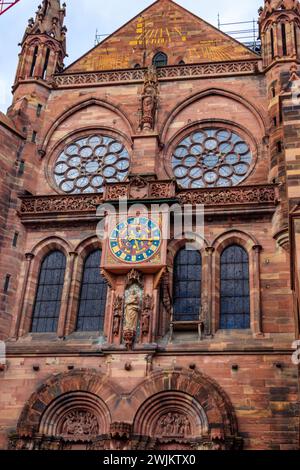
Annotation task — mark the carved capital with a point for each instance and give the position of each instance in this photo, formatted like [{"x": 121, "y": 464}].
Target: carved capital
[
  {"x": 29, "y": 256},
  {"x": 120, "y": 431}
]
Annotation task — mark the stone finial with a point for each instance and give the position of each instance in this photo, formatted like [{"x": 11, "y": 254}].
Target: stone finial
[{"x": 49, "y": 20}]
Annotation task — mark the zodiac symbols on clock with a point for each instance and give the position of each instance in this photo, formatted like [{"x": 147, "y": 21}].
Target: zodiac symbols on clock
[{"x": 135, "y": 240}]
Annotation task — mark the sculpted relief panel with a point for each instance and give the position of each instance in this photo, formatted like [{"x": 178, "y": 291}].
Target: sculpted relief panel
[
  {"x": 174, "y": 425},
  {"x": 80, "y": 423}
]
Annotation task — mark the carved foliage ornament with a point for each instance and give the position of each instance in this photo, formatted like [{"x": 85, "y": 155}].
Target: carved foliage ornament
[
  {"x": 53, "y": 204},
  {"x": 200, "y": 70},
  {"x": 227, "y": 196}
]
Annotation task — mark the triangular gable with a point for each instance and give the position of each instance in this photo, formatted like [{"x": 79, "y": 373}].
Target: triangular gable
[{"x": 167, "y": 27}]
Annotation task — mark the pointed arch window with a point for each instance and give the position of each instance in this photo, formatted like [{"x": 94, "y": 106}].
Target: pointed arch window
[
  {"x": 160, "y": 59},
  {"x": 272, "y": 44},
  {"x": 93, "y": 294},
  {"x": 284, "y": 43},
  {"x": 34, "y": 59},
  {"x": 235, "y": 290},
  {"x": 49, "y": 291},
  {"x": 46, "y": 63},
  {"x": 187, "y": 285}
]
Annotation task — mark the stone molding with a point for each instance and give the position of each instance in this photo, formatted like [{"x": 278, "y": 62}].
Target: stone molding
[{"x": 163, "y": 73}]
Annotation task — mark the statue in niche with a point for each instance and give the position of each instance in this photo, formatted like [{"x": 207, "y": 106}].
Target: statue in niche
[
  {"x": 132, "y": 310},
  {"x": 118, "y": 306},
  {"x": 149, "y": 99},
  {"x": 146, "y": 314},
  {"x": 204, "y": 316}
]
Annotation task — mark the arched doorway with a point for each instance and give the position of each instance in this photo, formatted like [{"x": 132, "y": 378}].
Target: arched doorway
[{"x": 183, "y": 410}]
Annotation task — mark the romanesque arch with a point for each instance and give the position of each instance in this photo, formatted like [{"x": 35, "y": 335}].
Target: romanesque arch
[
  {"x": 171, "y": 409},
  {"x": 183, "y": 409},
  {"x": 69, "y": 411}
]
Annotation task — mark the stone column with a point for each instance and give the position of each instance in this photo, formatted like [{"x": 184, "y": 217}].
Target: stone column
[
  {"x": 257, "y": 313},
  {"x": 21, "y": 312},
  {"x": 40, "y": 61},
  {"x": 277, "y": 40},
  {"x": 210, "y": 327},
  {"x": 65, "y": 301}
]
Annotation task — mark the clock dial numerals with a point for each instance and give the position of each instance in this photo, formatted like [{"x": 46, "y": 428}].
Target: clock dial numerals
[{"x": 135, "y": 240}]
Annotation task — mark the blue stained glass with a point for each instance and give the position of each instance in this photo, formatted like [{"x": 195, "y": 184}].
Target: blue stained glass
[
  {"x": 187, "y": 285},
  {"x": 234, "y": 289},
  {"x": 48, "y": 294},
  {"x": 93, "y": 294}
]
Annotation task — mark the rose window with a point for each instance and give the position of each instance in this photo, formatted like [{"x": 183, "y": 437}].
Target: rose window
[
  {"x": 211, "y": 158},
  {"x": 87, "y": 164}
]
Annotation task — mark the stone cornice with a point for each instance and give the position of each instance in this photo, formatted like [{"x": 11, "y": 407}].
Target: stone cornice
[
  {"x": 177, "y": 72},
  {"x": 76, "y": 207}
]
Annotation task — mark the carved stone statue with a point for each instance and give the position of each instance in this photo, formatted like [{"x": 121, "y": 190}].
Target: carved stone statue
[
  {"x": 149, "y": 100},
  {"x": 204, "y": 316},
  {"x": 118, "y": 306},
  {"x": 132, "y": 311},
  {"x": 175, "y": 425},
  {"x": 80, "y": 422},
  {"x": 146, "y": 314}
]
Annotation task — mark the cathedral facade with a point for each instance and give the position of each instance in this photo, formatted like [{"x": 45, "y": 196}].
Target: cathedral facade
[{"x": 117, "y": 335}]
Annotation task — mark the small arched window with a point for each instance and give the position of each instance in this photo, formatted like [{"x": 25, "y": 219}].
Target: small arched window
[
  {"x": 160, "y": 59},
  {"x": 34, "y": 59},
  {"x": 272, "y": 43},
  {"x": 93, "y": 293},
  {"x": 46, "y": 63},
  {"x": 48, "y": 295},
  {"x": 284, "y": 43},
  {"x": 235, "y": 296},
  {"x": 187, "y": 285}
]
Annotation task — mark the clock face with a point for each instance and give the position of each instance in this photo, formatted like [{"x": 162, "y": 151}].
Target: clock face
[{"x": 135, "y": 240}]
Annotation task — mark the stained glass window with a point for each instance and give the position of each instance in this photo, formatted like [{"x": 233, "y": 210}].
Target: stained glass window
[
  {"x": 187, "y": 285},
  {"x": 93, "y": 295},
  {"x": 160, "y": 59},
  {"x": 85, "y": 165},
  {"x": 235, "y": 296},
  {"x": 49, "y": 291},
  {"x": 211, "y": 158}
]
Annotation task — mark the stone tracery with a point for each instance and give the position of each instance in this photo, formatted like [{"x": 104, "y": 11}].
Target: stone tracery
[
  {"x": 211, "y": 158},
  {"x": 86, "y": 164}
]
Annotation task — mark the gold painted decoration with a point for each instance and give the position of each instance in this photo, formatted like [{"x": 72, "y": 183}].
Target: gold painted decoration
[{"x": 167, "y": 27}]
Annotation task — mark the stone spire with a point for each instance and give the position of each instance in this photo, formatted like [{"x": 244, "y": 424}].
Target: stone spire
[
  {"x": 278, "y": 5},
  {"x": 279, "y": 24},
  {"x": 49, "y": 20},
  {"x": 44, "y": 43}
]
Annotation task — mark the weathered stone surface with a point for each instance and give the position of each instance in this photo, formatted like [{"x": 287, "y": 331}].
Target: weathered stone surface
[{"x": 233, "y": 388}]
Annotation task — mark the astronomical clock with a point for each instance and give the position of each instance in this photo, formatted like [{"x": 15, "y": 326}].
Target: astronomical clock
[{"x": 134, "y": 241}]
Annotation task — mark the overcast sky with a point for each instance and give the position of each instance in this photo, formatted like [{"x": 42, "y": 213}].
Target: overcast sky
[{"x": 85, "y": 16}]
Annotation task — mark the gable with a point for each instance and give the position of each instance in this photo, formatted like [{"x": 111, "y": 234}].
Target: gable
[{"x": 167, "y": 27}]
